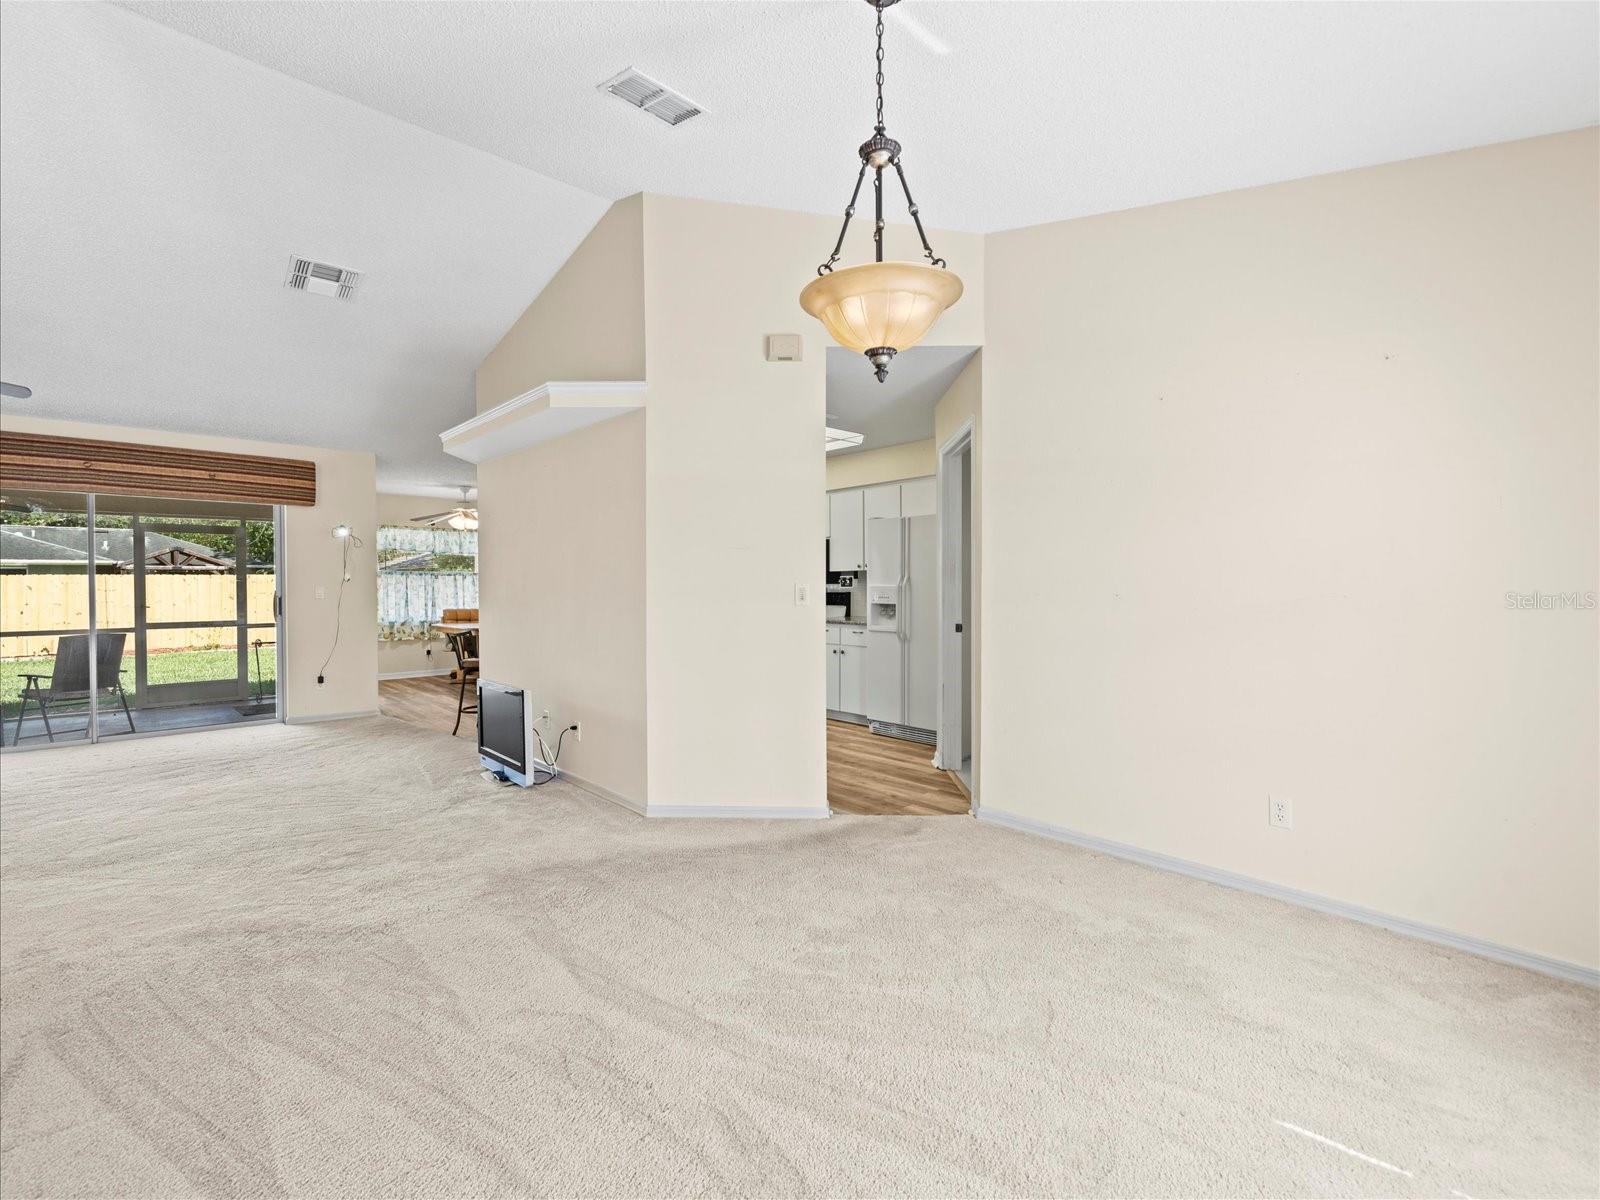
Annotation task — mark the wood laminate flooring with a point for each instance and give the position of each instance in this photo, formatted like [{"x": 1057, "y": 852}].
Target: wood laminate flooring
[
  {"x": 868, "y": 775},
  {"x": 885, "y": 777},
  {"x": 429, "y": 700}
]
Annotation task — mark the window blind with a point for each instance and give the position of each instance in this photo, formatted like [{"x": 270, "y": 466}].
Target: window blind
[{"x": 128, "y": 469}]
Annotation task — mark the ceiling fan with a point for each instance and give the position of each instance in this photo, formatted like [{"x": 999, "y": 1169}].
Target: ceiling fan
[{"x": 462, "y": 517}]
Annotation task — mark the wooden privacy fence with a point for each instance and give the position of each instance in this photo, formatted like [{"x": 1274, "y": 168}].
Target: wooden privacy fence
[{"x": 30, "y": 602}]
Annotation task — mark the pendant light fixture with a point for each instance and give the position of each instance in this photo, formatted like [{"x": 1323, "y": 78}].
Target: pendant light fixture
[{"x": 880, "y": 308}]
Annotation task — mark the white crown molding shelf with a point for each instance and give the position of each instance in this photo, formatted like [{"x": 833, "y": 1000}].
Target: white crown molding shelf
[{"x": 549, "y": 411}]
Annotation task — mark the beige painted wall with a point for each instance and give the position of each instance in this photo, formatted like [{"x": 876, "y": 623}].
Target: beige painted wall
[
  {"x": 962, "y": 401},
  {"x": 346, "y": 492},
  {"x": 734, "y": 477},
  {"x": 405, "y": 658},
  {"x": 886, "y": 464},
  {"x": 1260, "y": 469},
  {"x": 562, "y": 593},
  {"x": 587, "y": 323}
]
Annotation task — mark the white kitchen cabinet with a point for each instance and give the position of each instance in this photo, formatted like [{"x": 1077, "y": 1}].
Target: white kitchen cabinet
[
  {"x": 917, "y": 498},
  {"x": 881, "y": 501},
  {"x": 852, "y": 679},
  {"x": 846, "y": 675},
  {"x": 847, "y": 531}
]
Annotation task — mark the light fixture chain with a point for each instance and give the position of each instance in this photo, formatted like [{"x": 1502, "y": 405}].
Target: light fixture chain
[{"x": 880, "y": 70}]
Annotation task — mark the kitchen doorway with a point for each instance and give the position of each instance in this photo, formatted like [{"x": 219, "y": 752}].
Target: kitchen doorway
[{"x": 882, "y": 584}]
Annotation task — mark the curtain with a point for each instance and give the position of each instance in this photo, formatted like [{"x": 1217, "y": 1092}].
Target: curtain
[{"x": 414, "y": 594}]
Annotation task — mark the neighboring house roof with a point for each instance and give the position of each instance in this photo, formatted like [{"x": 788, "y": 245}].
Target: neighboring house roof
[
  {"x": 62, "y": 545},
  {"x": 412, "y": 562}
]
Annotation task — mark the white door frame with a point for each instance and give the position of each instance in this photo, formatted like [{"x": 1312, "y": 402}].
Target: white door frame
[{"x": 949, "y": 480}]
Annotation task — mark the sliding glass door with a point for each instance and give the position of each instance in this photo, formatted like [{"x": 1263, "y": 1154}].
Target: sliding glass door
[
  {"x": 44, "y": 617},
  {"x": 183, "y": 616}
]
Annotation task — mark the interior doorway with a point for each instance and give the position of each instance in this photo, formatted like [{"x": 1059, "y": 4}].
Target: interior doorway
[
  {"x": 884, "y": 520},
  {"x": 957, "y": 631}
]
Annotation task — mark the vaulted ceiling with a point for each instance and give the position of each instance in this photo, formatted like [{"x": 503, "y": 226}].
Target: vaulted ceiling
[{"x": 161, "y": 162}]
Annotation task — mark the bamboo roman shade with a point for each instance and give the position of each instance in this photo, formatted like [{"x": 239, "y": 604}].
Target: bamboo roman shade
[{"x": 127, "y": 469}]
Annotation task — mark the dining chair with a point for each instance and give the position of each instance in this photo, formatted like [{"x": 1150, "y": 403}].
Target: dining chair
[{"x": 464, "y": 644}]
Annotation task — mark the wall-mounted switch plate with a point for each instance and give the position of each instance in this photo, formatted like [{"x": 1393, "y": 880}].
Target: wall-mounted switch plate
[
  {"x": 802, "y": 593},
  {"x": 322, "y": 592},
  {"x": 1280, "y": 812}
]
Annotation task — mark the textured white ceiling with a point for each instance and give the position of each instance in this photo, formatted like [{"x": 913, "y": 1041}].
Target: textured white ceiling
[
  {"x": 900, "y": 409},
  {"x": 152, "y": 191},
  {"x": 1038, "y": 112},
  {"x": 153, "y": 186}
]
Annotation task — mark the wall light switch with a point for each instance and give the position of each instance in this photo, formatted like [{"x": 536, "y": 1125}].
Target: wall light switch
[
  {"x": 322, "y": 592},
  {"x": 802, "y": 593},
  {"x": 785, "y": 347}
]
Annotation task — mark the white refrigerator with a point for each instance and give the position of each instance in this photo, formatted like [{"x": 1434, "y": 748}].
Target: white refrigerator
[{"x": 902, "y": 684}]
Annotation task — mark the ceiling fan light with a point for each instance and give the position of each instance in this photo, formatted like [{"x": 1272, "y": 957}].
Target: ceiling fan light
[
  {"x": 462, "y": 522},
  {"x": 881, "y": 305}
]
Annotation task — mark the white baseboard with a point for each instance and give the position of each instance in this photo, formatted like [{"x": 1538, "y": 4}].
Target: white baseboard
[
  {"x": 636, "y": 807},
  {"x": 428, "y": 674},
  {"x": 743, "y": 812},
  {"x": 1559, "y": 968},
  {"x": 319, "y": 718}
]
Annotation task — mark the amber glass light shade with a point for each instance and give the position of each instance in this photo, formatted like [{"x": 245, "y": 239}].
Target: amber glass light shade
[{"x": 880, "y": 304}]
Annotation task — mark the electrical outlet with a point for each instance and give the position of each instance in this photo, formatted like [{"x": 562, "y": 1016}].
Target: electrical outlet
[
  {"x": 802, "y": 593},
  {"x": 577, "y": 730},
  {"x": 1280, "y": 812},
  {"x": 544, "y": 720}
]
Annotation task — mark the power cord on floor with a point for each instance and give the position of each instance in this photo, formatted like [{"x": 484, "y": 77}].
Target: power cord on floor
[
  {"x": 547, "y": 763},
  {"x": 550, "y": 760},
  {"x": 345, "y": 535}
]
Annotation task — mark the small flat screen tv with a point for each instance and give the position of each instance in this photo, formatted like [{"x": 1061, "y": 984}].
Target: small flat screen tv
[{"x": 505, "y": 734}]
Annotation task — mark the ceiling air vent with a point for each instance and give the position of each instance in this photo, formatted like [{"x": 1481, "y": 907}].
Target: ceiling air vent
[
  {"x": 656, "y": 99},
  {"x": 321, "y": 279}
]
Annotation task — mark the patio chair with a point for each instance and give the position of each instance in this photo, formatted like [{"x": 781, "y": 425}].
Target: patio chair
[{"x": 69, "y": 680}]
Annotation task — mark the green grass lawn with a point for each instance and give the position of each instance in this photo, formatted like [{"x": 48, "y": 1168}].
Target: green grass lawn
[{"x": 174, "y": 666}]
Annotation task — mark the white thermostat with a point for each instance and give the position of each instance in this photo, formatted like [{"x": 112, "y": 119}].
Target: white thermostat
[{"x": 785, "y": 347}]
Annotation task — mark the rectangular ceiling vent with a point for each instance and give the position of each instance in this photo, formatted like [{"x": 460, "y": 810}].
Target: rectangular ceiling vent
[
  {"x": 321, "y": 279},
  {"x": 655, "y": 98}
]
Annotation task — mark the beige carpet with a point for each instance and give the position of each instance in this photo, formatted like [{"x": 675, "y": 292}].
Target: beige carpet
[{"x": 331, "y": 961}]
